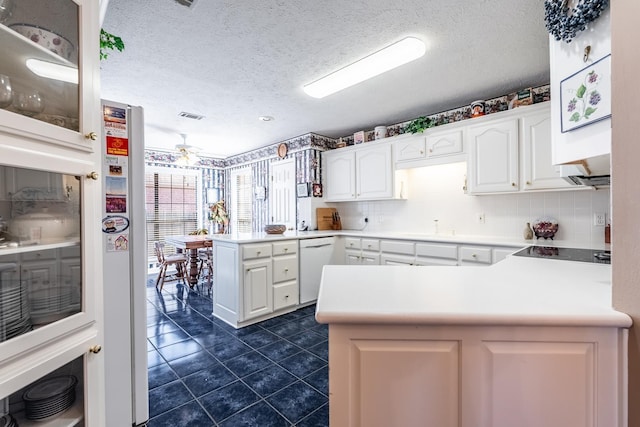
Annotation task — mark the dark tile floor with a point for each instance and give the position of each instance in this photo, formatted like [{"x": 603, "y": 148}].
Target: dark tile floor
[{"x": 203, "y": 372}]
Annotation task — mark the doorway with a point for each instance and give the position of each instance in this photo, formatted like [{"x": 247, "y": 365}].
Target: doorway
[{"x": 282, "y": 198}]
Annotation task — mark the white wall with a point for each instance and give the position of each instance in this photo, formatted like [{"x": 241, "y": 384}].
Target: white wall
[{"x": 436, "y": 192}]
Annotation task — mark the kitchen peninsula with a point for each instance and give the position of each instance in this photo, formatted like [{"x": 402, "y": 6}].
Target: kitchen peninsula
[{"x": 522, "y": 342}]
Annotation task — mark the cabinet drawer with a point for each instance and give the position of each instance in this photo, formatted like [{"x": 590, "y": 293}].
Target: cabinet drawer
[
  {"x": 258, "y": 250},
  {"x": 38, "y": 255},
  {"x": 285, "y": 248},
  {"x": 285, "y": 295},
  {"x": 370, "y": 244},
  {"x": 70, "y": 252},
  {"x": 410, "y": 149},
  {"x": 437, "y": 251},
  {"x": 285, "y": 268},
  {"x": 475, "y": 254},
  {"x": 397, "y": 247},
  {"x": 352, "y": 243}
]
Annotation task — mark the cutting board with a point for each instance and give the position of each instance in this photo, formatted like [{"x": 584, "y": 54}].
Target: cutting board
[{"x": 324, "y": 216}]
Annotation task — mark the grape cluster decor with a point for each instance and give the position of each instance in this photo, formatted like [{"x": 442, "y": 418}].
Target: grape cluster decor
[{"x": 564, "y": 22}]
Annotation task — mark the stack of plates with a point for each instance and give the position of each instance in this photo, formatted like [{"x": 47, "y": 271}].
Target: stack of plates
[
  {"x": 8, "y": 421},
  {"x": 15, "y": 317},
  {"x": 49, "y": 397}
]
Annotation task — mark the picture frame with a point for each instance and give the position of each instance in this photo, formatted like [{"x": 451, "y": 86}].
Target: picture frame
[
  {"x": 585, "y": 96},
  {"x": 358, "y": 137},
  {"x": 302, "y": 190},
  {"x": 317, "y": 190}
]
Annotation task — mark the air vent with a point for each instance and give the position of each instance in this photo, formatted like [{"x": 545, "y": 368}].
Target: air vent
[
  {"x": 189, "y": 3},
  {"x": 191, "y": 116}
]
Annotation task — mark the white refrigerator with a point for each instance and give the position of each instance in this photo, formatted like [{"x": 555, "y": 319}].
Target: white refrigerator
[{"x": 125, "y": 264}]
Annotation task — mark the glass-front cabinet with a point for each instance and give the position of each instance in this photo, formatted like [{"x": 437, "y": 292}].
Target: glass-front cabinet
[
  {"x": 47, "y": 79},
  {"x": 51, "y": 328}
]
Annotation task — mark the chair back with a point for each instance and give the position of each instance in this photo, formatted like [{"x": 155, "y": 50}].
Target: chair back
[{"x": 159, "y": 247}]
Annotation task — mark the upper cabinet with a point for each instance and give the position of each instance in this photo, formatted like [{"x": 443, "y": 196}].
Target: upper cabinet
[
  {"x": 511, "y": 152},
  {"x": 361, "y": 173},
  {"x": 567, "y": 59},
  {"x": 443, "y": 144},
  {"x": 49, "y": 73},
  {"x": 493, "y": 156}
]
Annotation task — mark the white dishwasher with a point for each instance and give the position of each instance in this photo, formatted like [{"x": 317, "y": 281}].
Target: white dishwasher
[{"x": 314, "y": 254}]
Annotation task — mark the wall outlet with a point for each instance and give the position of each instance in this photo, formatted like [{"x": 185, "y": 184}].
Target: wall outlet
[
  {"x": 599, "y": 219},
  {"x": 480, "y": 218}
]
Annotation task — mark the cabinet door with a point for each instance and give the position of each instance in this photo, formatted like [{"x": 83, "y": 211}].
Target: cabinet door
[
  {"x": 340, "y": 175},
  {"x": 369, "y": 259},
  {"x": 386, "y": 259},
  {"x": 444, "y": 144},
  {"x": 374, "y": 173},
  {"x": 258, "y": 288},
  {"x": 352, "y": 257},
  {"x": 538, "y": 170},
  {"x": 410, "y": 148},
  {"x": 63, "y": 108},
  {"x": 493, "y": 159}
]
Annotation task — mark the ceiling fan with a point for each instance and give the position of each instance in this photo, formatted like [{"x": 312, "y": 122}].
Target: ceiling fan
[{"x": 187, "y": 155}]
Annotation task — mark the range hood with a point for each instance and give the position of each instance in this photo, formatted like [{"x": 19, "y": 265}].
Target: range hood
[{"x": 594, "y": 172}]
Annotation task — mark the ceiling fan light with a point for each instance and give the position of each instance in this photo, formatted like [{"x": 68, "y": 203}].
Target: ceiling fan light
[{"x": 392, "y": 56}]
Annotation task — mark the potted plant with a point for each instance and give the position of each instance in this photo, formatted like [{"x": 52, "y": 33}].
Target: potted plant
[
  {"x": 218, "y": 216},
  {"x": 420, "y": 124}
]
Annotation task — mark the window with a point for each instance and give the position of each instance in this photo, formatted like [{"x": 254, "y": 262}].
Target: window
[
  {"x": 171, "y": 203},
  {"x": 241, "y": 201}
]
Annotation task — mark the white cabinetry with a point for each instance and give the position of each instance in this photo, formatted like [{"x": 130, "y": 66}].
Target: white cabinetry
[
  {"x": 565, "y": 60},
  {"x": 477, "y": 376},
  {"x": 255, "y": 281},
  {"x": 493, "y": 156},
  {"x": 511, "y": 152},
  {"x": 397, "y": 252},
  {"x": 361, "y": 173},
  {"x": 41, "y": 151},
  {"x": 436, "y": 254},
  {"x": 442, "y": 144},
  {"x": 538, "y": 171},
  {"x": 362, "y": 251}
]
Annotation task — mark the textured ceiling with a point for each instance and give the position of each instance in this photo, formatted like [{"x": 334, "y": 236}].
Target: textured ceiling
[{"x": 233, "y": 61}]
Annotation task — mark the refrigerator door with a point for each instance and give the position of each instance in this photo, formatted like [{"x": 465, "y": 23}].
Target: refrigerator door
[{"x": 125, "y": 264}]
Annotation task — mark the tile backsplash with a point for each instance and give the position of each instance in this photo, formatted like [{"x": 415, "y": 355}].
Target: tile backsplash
[{"x": 436, "y": 193}]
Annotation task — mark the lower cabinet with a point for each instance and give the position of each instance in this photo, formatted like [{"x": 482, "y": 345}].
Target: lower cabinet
[
  {"x": 255, "y": 281},
  {"x": 476, "y": 376},
  {"x": 362, "y": 251}
]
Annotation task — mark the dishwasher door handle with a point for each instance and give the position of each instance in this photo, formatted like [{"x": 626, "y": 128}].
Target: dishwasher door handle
[{"x": 318, "y": 246}]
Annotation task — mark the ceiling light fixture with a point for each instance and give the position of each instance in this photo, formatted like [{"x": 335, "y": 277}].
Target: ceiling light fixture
[
  {"x": 186, "y": 153},
  {"x": 53, "y": 71},
  {"x": 392, "y": 56}
]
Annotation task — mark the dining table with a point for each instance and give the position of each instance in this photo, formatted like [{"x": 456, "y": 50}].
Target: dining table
[{"x": 190, "y": 243}]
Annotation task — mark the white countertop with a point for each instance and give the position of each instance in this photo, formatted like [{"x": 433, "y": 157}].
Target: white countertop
[
  {"x": 397, "y": 235},
  {"x": 516, "y": 291}
]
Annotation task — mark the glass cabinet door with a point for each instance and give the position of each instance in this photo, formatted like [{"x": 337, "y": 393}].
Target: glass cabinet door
[
  {"x": 40, "y": 249},
  {"x": 44, "y": 76}
]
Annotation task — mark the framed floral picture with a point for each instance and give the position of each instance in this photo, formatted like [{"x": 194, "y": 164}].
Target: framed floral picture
[{"x": 585, "y": 96}]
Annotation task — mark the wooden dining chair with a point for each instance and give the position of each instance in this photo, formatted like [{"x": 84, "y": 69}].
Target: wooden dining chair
[
  {"x": 179, "y": 261},
  {"x": 205, "y": 259}
]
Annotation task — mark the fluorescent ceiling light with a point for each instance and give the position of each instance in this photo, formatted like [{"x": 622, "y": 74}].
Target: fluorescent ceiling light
[
  {"x": 53, "y": 71},
  {"x": 399, "y": 53}
]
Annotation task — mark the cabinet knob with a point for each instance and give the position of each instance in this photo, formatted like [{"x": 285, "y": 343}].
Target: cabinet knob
[
  {"x": 95, "y": 349},
  {"x": 92, "y": 136},
  {"x": 421, "y": 151},
  {"x": 513, "y": 184},
  {"x": 474, "y": 255},
  {"x": 286, "y": 270},
  {"x": 286, "y": 249},
  {"x": 258, "y": 252},
  {"x": 528, "y": 182},
  {"x": 93, "y": 176},
  {"x": 431, "y": 150}
]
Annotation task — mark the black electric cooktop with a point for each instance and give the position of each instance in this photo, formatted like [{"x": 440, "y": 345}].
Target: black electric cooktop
[{"x": 566, "y": 254}]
